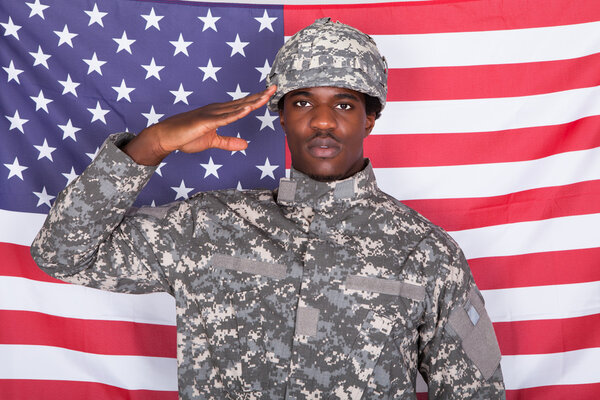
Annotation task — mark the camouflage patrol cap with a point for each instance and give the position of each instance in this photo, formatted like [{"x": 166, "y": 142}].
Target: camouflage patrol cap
[{"x": 329, "y": 53}]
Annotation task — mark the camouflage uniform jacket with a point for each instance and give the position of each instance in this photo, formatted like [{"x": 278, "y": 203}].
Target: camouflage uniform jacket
[{"x": 313, "y": 291}]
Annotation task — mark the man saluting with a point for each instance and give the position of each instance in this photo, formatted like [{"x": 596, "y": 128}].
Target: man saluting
[{"x": 326, "y": 288}]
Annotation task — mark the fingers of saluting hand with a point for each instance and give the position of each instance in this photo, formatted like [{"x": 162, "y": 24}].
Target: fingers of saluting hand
[
  {"x": 254, "y": 100},
  {"x": 232, "y": 111}
]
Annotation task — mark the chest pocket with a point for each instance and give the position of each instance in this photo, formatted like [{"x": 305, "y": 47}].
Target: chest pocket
[
  {"x": 239, "y": 318},
  {"x": 393, "y": 306}
]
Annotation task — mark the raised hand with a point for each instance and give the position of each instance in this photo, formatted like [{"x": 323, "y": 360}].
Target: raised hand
[{"x": 195, "y": 130}]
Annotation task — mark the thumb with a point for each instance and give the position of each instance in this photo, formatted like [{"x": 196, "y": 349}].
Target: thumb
[{"x": 229, "y": 143}]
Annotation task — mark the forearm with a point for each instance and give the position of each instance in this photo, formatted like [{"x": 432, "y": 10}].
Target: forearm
[{"x": 87, "y": 211}]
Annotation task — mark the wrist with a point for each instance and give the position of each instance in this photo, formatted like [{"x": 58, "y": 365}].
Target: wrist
[{"x": 144, "y": 149}]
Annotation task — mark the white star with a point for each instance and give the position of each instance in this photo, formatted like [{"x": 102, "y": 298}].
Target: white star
[
  {"x": 44, "y": 197},
  {"x": 94, "y": 154},
  {"x": 152, "y": 19},
  {"x": 180, "y": 45},
  {"x": 15, "y": 169},
  {"x": 70, "y": 176},
  {"x": 182, "y": 191},
  {"x": 98, "y": 113},
  {"x": 12, "y": 72},
  {"x": 264, "y": 70},
  {"x": 211, "y": 168},
  {"x": 123, "y": 91},
  {"x": 210, "y": 71},
  {"x": 152, "y": 116},
  {"x": 45, "y": 151},
  {"x": 37, "y": 9},
  {"x": 237, "y": 46},
  {"x": 158, "y": 169},
  {"x": 241, "y": 151},
  {"x": 69, "y": 86},
  {"x": 180, "y": 94},
  {"x": 153, "y": 204},
  {"x": 266, "y": 22},
  {"x": 41, "y": 101},
  {"x": 40, "y": 57},
  {"x": 267, "y": 120},
  {"x": 69, "y": 130},
  {"x": 65, "y": 36},
  {"x": 96, "y": 16},
  {"x": 267, "y": 169},
  {"x": 10, "y": 28},
  {"x": 16, "y": 121},
  {"x": 94, "y": 64},
  {"x": 124, "y": 43},
  {"x": 239, "y": 187},
  {"x": 238, "y": 94},
  {"x": 209, "y": 21},
  {"x": 152, "y": 69}
]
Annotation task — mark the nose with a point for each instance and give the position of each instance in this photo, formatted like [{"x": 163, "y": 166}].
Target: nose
[{"x": 323, "y": 118}]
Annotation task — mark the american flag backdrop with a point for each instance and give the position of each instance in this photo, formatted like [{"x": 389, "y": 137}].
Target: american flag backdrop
[{"x": 492, "y": 130}]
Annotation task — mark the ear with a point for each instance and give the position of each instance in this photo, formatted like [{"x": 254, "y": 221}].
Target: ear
[
  {"x": 369, "y": 124},
  {"x": 281, "y": 119}
]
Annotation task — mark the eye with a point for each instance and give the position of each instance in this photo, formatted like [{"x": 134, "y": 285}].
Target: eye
[
  {"x": 301, "y": 103},
  {"x": 344, "y": 106}
]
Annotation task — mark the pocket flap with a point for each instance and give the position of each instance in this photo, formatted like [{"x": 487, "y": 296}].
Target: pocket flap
[
  {"x": 385, "y": 286},
  {"x": 271, "y": 270}
]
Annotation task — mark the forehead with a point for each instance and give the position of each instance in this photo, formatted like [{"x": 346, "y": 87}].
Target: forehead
[{"x": 327, "y": 92}]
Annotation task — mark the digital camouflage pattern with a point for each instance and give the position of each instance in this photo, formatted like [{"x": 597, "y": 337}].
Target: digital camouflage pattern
[
  {"x": 329, "y": 53},
  {"x": 314, "y": 291}
]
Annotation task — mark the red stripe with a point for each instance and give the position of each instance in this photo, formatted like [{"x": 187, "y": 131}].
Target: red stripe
[
  {"x": 17, "y": 261},
  {"x": 445, "y": 16},
  {"x": 548, "y": 336},
  {"x": 590, "y": 391},
  {"x": 90, "y": 336},
  {"x": 397, "y": 151},
  {"x": 394, "y": 151},
  {"x": 529, "y": 205},
  {"x": 492, "y": 81},
  {"x": 27, "y": 389},
  {"x": 537, "y": 269}
]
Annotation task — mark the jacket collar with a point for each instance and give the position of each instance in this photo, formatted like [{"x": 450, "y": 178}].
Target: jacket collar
[{"x": 300, "y": 189}]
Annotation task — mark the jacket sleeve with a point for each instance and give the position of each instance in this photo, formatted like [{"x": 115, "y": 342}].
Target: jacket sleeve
[
  {"x": 89, "y": 238},
  {"x": 459, "y": 356}
]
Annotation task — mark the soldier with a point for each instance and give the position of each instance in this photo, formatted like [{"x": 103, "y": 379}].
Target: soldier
[{"x": 324, "y": 288}]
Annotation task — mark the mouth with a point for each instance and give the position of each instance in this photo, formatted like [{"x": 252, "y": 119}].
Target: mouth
[{"x": 323, "y": 147}]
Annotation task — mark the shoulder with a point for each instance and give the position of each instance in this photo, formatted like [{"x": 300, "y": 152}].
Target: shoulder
[
  {"x": 209, "y": 204},
  {"x": 408, "y": 221},
  {"x": 427, "y": 248}
]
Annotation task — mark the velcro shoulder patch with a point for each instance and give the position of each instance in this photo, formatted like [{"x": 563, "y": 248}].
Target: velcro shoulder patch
[{"x": 474, "y": 327}]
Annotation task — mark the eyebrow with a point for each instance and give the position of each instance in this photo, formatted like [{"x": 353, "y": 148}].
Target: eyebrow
[{"x": 344, "y": 95}]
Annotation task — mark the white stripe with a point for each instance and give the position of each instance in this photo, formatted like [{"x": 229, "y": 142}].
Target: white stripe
[
  {"x": 19, "y": 227},
  {"x": 73, "y": 301},
  {"x": 508, "y": 46},
  {"x": 543, "y": 302},
  {"x": 484, "y": 180},
  {"x": 488, "y": 115},
  {"x": 54, "y": 363},
  {"x": 552, "y": 234},
  {"x": 568, "y": 368}
]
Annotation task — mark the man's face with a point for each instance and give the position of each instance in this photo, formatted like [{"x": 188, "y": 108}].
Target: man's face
[{"x": 325, "y": 128}]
